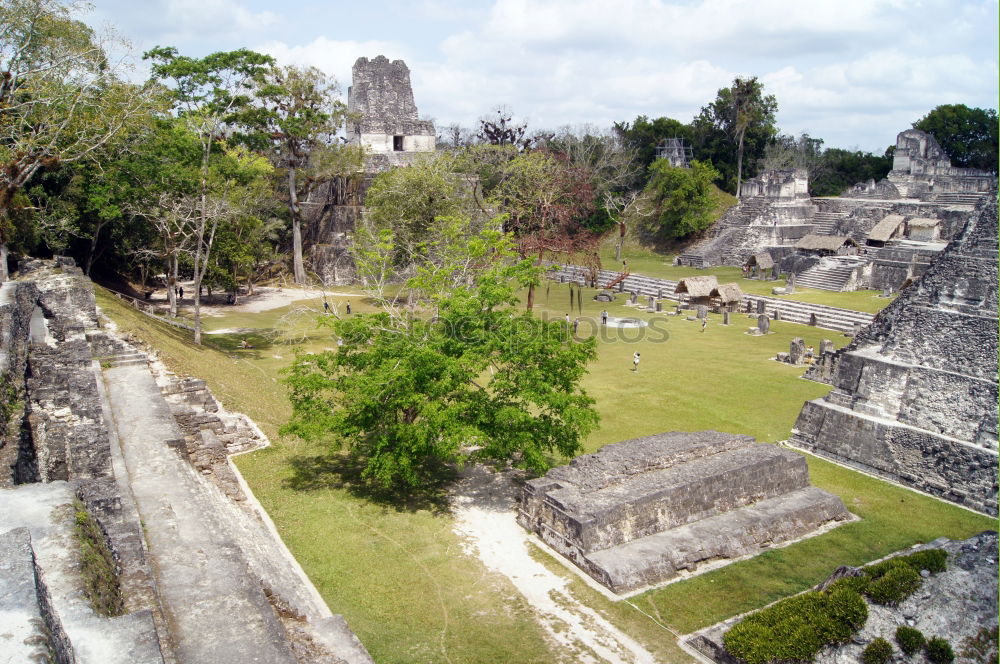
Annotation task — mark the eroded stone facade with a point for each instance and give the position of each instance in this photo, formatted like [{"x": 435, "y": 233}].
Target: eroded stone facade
[
  {"x": 646, "y": 510},
  {"x": 915, "y": 393}
]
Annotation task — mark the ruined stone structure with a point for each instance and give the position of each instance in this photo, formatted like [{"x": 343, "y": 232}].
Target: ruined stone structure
[
  {"x": 646, "y": 510},
  {"x": 388, "y": 126},
  {"x": 932, "y": 197},
  {"x": 915, "y": 393},
  {"x": 86, "y": 429}
]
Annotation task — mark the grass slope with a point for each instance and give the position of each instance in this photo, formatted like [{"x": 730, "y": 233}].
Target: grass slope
[{"x": 399, "y": 574}]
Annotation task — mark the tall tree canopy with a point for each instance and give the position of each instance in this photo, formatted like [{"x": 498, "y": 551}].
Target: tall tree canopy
[
  {"x": 741, "y": 116},
  {"x": 61, "y": 98},
  {"x": 682, "y": 199},
  {"x": 968, "y": 135},
  {"x": 407, "y": 396},
  {"x": 643, "y": 135}
]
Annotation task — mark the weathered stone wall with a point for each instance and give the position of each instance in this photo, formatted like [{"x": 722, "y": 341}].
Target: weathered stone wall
[
  {"x": 915, "y": 393},
  {"x": 640, "y": 511},
  {"x": 382, "y": 98}
]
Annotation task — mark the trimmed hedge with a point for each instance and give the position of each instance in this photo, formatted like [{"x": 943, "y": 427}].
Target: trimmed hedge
[
  {"x": 939, "y": 651},
  {"x": 879, "y": 651},
  {"x": 798, "y": 627},
  {"x": 910, "y": 639}
]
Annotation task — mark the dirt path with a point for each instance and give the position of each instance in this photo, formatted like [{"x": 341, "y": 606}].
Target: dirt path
[{"x": 484, "y": 515}]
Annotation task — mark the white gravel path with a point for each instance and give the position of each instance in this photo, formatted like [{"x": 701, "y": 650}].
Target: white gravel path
[{"x": 484, "y": 515}]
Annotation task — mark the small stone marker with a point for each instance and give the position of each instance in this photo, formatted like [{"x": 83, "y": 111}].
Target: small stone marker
[
  {"x": 634, "y": 298},
  {"x": 777, "y": 314},
  {"x": 782, "y": 357},
  {"x": 812, "y": 319},
  {"x": 659, "y": 306},
  {"x": 886, "y": 292},
  {"x": 702, "y": 311},
  {"x": 790, "y": 286},
  {"x": 826, "y": 346},
  {"x": 725, "y": 318},
  {"x": 621, "y": 286},
  {"x": 796, "y": 350},
  {"x": 763, "y": 323},
  {"x": 760, "y": 306},
  {"x": 677, "y": 309},
  {"x": 652, "y": 302}
]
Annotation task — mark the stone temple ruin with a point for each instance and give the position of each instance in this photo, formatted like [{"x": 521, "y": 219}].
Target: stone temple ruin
[
  {"x": 915, "y": 393},
  {"x": 384, "y": 122},
  {"x": 387, "y": 124},
  {"x": 876, "y": 235},
  {"x": 91, "y": 430},
  {"x": 646, "y": 510}
]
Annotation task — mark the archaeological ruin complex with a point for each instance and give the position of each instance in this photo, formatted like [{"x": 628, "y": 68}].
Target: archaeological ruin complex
[
  {"x": 644, "y": 511},
  {"x": 878, "y": 235},
  {"x": 915, "y": 393}
]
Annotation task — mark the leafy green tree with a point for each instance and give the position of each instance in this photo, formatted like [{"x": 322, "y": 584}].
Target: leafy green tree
[
  {"x": 61, "y": 98},
  {"x": 475, "y": 382},
  {"x": 839, "y": 169},
  {"x": 742, "y": 115},
  {"x": 297, "y": 119},
  {"x": 643, "y": 135},
  {"x": 407, "y": 201},
  {"x": 210, "y": 94},
  {"x": 968, "y": 135},
  {"x": 682, "y": 199}
]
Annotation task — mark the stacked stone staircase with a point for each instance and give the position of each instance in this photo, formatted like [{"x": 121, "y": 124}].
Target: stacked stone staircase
[
  {"x": 960, "y": 197},
  {"x": 832, "y": 274},
  {"x": 824, "y": 223}
]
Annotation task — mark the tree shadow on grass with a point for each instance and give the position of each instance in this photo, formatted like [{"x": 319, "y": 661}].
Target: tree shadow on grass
[{"x": 338, "y": 470}]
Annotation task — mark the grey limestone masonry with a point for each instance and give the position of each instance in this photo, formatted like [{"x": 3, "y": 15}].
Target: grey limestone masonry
[
  {"x": 381, "y": 97},
  {"x": 915, "y": 393},
  {"x": 203, "y": 575},
  {"x": 642, "y": 511},
  {"x": 775, "y": 211}
]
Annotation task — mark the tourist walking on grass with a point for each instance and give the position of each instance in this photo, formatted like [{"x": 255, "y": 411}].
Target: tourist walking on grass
[
  {"x": 635, "y": 361},
  {"x": 604, "y": 317},
  {"x": 704, "y": 323}
]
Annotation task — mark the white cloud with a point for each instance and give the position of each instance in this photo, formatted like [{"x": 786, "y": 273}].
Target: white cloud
[{"x": 335, "y": 58}]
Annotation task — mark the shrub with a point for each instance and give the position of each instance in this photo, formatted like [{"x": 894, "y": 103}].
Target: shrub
[
  {"x": 932, "y": 560},
  {"x": 798, "y": 627},
  {"x": 910, "y": 640},
  {"x": 878, "y": 651},
  {"x": 894, "y": 586},
  {"x": 939, "y": 651}
]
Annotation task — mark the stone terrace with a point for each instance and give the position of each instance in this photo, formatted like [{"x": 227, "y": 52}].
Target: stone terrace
[{"x": 643, "y": 511}]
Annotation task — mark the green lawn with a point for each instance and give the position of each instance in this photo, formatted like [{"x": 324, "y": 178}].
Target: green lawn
[{"x": 399, "y": 574}]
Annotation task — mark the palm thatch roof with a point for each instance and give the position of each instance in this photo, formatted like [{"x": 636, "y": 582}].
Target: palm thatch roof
[
  {"x": 923, "y": 222},
  {"x": 885, "y": 229},
  {"x": 728, "y": 293},
  {"x": 697, "y": 286},
  {"x": 815, "y": 242},
  {"x": 762, "y": 260}
]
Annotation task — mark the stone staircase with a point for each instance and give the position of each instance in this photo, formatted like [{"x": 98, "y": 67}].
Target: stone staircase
[
  {"x": 804, "y": 313},
  {"x": 824, "y": 223},
  {"x": 692, "y": 259},
  {"x": 832, "y": 274},
  {"x": 960, "y": 197}
]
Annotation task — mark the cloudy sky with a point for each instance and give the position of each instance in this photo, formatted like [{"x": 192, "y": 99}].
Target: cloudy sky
[{"x": 853, "y": 72}]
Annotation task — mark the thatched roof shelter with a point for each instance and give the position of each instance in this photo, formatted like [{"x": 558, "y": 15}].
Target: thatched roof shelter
[
  {"x": 884, "y": 230},
  {"x": 697, "y": 286},
  {"x": 728, "y": 293},
  {"x": 833, "y": 243},
  {"x": 762, "y": 260}
]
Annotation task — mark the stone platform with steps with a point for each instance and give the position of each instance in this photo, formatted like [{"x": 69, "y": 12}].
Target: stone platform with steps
[{"x": 644, "y": 511}]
